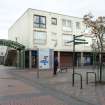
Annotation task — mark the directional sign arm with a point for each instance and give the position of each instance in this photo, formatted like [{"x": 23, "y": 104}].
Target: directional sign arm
[
  {"x": 76, "y": 43},
  {"x": 81, "y": 39},
  {"x": 78, "y": 36},
  {"x": 69, "y": 41}
]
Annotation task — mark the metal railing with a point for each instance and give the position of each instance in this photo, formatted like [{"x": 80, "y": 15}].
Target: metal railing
[
  {"x": 80, "y": 79},
  {"x": 87, "y": 75}
]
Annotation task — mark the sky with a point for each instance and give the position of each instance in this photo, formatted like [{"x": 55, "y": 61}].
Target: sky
[{"x": 11, "y": 10}]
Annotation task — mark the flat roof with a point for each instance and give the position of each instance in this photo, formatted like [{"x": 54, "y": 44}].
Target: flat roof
[{"x": 54, "y": 13}]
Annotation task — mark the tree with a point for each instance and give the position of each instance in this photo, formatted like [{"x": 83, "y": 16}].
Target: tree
[
  {"x": 98, "y": 31},
  {"x": 95, "y": 51}
]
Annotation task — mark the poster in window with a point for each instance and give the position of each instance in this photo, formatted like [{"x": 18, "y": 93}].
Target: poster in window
[{"x": 45, "y": 59}]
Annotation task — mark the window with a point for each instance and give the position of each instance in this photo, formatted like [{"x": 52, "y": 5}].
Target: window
[
  {"x": 64, "y": 22},
  {"x": 40, "y": 37},
  {"x": 67, "y": 38},
  {"x": 104, "y": 36},
  {"x": 77, "y": 25},
  {"x": 54, "y": 21},
  {"x": 67, "y": 25},
  {"x": 39, "y": 21}
]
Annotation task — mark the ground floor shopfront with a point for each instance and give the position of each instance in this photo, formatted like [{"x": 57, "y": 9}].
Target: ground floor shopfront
[
  {"x": 1, "y": 60},
  {"x": 64, "y": 58}
]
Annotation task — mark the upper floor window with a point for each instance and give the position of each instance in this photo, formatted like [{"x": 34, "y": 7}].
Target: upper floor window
[
  {"x": 39, "y": 21},
  {"x": 104, "y": 36},
  {"x": 77, "y": 25},
  {"x": 66, "y": 39},
  {"x": 40, "y": 37},
  {"x": 54, "y": 21},
  {"x": 67, "y": 25},
  {"x": 64, "y": 22}
]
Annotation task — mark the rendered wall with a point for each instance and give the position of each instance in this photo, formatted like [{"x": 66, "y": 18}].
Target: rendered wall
[{"x": 23, "y": 29}]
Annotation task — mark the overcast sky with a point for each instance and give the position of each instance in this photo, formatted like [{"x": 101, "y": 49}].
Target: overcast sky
[{"x": 11, "y": 10}]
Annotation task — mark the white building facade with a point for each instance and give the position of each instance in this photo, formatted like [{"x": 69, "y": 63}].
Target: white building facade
[{"x": 40, "y": 29}]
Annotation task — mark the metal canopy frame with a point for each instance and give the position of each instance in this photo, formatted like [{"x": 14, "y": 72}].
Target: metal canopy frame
[
  {"x": 19, "y": 47},
  {"x": 12, "y": 44}
]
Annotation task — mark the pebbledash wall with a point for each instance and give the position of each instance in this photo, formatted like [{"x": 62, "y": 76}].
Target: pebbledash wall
[{"x": 41, "y": 29}]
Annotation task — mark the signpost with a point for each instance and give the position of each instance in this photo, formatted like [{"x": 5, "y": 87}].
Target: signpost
[{"x": 76, "y": 41}]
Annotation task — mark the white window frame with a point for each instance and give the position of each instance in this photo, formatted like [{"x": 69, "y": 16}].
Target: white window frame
[
  {"x": 38, "y": 39},
  {"x": 66, "y": 38},
  {"x": 78, "y": 25},
  {"x": 66, "y": 25}
]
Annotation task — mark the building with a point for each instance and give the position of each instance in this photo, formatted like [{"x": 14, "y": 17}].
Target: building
[
  {"x": 2, "y": 54},
  {"x": 40, "y": 29}
]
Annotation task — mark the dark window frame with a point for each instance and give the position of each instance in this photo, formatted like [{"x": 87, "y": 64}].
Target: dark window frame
[
  {"x": 54, "y": 19},
  {"x": 39, "y": 22}
]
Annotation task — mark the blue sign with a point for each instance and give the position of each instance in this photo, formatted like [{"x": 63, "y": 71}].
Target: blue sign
[
  {"x": 45, "y": 62},
  {"x": 45, "y": 58}
]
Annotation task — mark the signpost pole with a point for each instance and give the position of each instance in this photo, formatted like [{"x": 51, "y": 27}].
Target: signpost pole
[
  {"x": 38, "y": 73},
  {"x": 73, "y": 60},
  {"x": 38, "y": 64},
  {"x": 76, "y": 41}
]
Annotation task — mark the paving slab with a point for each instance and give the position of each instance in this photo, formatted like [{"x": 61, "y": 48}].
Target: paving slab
[
  {"x": 90, "y": 93},
  {"x": 22, "y": 87}
]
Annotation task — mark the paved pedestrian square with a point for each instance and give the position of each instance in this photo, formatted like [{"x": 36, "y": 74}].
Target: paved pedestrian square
[{"x": 22, "y": 87}]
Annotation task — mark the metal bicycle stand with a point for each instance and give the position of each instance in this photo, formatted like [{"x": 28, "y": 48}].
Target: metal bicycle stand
[{"x": 80, "y": 79}]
